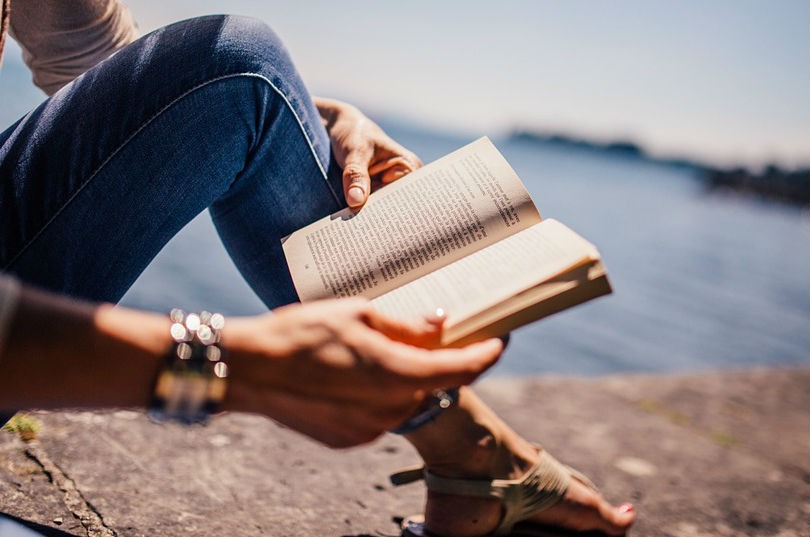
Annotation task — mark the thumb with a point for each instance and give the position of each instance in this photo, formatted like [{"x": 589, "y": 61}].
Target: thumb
[{"x": 356, "y": 180}]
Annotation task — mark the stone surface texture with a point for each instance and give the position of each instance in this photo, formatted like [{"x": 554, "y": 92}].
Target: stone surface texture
[{"x": 720, "y": 453}]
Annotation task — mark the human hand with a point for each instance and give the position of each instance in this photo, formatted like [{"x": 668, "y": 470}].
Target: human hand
[
  {"x": 339, "y": 371},
  {"x": 368, "y": 156}
]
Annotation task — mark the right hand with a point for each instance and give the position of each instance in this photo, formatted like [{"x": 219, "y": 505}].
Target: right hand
[
  {"x": 340, "y": 372},
  {"x": 367, "y": 155}
]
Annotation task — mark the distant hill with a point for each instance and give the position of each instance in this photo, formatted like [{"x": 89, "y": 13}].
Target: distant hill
[
  {"x": 622, "y": 147},
  {"x": 790, "y": 186},
  {"x": 773, "y": 182}
]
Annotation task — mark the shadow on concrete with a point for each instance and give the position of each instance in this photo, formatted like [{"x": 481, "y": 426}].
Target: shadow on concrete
[{"x": 11, "y": 526}]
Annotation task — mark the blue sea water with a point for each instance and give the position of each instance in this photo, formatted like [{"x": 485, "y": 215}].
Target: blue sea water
[{"x": 701, "y": 280}]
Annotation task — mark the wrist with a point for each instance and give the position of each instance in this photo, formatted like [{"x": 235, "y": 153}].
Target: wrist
[
  {"x": 146, "y": 333},
  {"x": 330, "y": 110},
  {"x": 243, "y": 336},
  {"x": 137, "y": 342},
  {"x": 254, "y": 351},
  {"x": 192, "y": 381}
]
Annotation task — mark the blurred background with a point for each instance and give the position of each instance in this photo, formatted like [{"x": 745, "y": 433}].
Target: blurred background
[{"x": 673, "y": 135}]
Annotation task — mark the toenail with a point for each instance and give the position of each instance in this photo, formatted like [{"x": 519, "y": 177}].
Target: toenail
[{"x": 625, "y": 507}]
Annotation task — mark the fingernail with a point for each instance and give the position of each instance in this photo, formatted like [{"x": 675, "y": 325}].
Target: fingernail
[
  {"x": 625, "y": 507},
  {"x": 437, "y": 317},
  {"x": 355, "y": 196}
]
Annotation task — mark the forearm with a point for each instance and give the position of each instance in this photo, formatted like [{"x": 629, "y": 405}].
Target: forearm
[
  {"x": 335, "y": 370},
  {"x": 62, "y": 353}
]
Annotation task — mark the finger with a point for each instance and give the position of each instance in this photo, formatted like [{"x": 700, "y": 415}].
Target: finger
[
  {"x": 414, "y": 161},
  {"x": 438, "y": 317},
  {"x": 397, "y": 161},
  {"x": 387, "y": 148},
  {"x": 424, "y": 332},
  {"x": 458, "y": 367},
  {"x": 356, "y": 179},
  {"x": 430, "y": 369},
  {"x": 392, "y": 174}
]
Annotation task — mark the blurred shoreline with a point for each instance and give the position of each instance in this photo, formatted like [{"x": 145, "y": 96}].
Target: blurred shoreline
[{"x": 773, "y": 182}]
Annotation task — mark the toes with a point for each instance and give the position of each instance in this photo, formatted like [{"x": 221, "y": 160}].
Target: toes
[
  {"x": 588, "y": 510},
  {"x": 616, "y": 520}
]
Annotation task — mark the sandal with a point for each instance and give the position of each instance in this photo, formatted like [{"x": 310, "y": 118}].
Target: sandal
[{"x": 541, "y": 488}]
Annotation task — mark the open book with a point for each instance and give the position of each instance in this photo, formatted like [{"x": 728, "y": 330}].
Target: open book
[{"x": 461, "y": 233}]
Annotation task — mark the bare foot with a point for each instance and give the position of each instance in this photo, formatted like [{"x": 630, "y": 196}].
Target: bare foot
[
  {"x": 582, "y": 509},
  {"x": 470, "y": 441}
]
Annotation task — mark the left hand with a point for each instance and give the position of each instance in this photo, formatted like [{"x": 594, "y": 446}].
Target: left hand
[
  {"x": 341, "y": 372},
  {"x": 367, "y": 155}
]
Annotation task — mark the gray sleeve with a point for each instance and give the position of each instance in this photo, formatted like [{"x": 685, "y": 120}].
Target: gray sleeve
[
  {"x": 62, "y": 39},
  {"x": 9, "y": 295}
]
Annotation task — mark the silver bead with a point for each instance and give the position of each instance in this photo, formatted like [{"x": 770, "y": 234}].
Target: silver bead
[
  {"x": 184, "y": 351},
  {"x": 177, "y": 315},
  {"x": 221, "y": 370},
  {"x": 193, "y": 322},
  {"x": 205, "y": 334},
  {"x": 213, "y": 353},
  {"x": 217, "y": 321},
  {"x": 179, "y": 332}
]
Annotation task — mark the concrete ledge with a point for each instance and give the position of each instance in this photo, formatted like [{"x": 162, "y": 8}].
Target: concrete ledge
[{"x": 724, "y": 453}]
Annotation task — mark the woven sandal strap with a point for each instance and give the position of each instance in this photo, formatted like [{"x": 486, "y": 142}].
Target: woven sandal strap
[
  {"x": 582, "y": 478},
  {"x": 482, "y": 488},
  {"x": 540, "y": 488},
  {"x": 411, "y": 474}
]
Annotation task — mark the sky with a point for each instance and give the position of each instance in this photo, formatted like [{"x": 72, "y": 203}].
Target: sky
[{"x": 726, "y": 82}]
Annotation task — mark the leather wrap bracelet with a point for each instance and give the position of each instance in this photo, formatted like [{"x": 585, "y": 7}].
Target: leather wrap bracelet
[
  {"x": 192, "y": 382},
  {"x": 438, "y": 402}
]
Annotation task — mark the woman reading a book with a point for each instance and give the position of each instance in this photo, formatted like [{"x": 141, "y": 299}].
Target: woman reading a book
[{"x": 210, "y": 113}]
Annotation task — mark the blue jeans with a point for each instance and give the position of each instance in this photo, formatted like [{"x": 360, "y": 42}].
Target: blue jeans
[{"x": 205, "y": 113}]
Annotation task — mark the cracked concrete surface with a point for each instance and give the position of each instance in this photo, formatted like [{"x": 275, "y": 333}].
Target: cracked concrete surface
[
  {"x": 703, "y": 454},
  {"x": 72, "y": 497}
]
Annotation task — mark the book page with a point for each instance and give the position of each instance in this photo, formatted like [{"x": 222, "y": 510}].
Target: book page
[
  {"x": 442, "y": 212},
  {"x": 570, "y": 288},
  {"x": 492, "y": 275}
]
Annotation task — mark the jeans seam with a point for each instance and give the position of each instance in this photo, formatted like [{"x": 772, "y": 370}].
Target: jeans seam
[{"x": 151, "y": 118}]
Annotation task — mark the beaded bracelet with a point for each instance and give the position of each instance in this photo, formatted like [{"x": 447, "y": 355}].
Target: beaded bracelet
[{"x": 192, "y": 383}]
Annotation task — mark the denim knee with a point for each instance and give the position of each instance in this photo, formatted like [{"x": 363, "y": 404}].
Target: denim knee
[
  {"x": 249, "y": 45},
  {"x": 222, "y": 45},
  {"x": 227, "y": 45}
]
